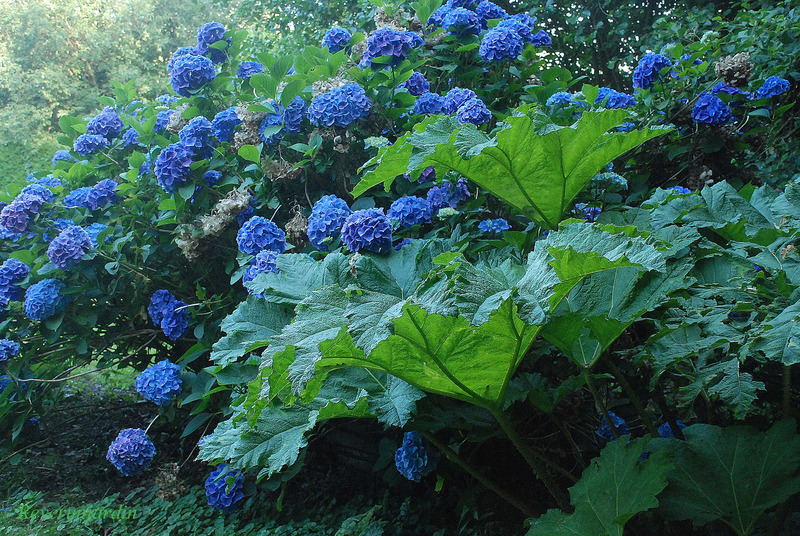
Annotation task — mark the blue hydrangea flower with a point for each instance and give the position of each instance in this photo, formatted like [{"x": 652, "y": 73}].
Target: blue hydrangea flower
[
  {"x": 339, "y": 107},
  {"x": 500, "y": 44},
  {"x": 264, "y": 262},
  {"x": 412, "y": 459},
  {"x": 409, "y": 211},
  {"x": 78, "y": 197},
  {"x": 102, "y": 193},
  {"x": 179, "y": 53},
  {"x": 16, "y": 216},
  {"x": 207, "y": 35},
  {"x": 294, "y": 114},
  {"x": 160, "y": 301},
  {"x": 38, "y": 190},
  {"x": 722, "y": 87},
  {"x": 336, "y": 39},
  {"x": 680, "y": 189},
  {"x": 189, "y": 73},
  {"x": 455, "y": 98},
  {"x": 272, "y": 119},
  {"x": 49, "y": 181},
  {"x": 665, "y": 430},
  {"x": 524, "y": 18},
  {"x": 94, "y": 230},
  {"x": 437, "y": 17},
  {"x": 619, "y": 423},
  {"x": 487, "y": 10},
  {"x": 212, "y": 177},
  {"x": 326, "y": 220},
  {"x": 248, "y": 69},
  {"x": 247, "y": 213},
  {"x": 429, "y": 103},
  {"x": 403, "y": 242},
  {"x": 13, "y": 271},
  {"x": 62, "y": 155},
  {"x": 169, "y": 313},
  {"x": 160, "y": 382},
  {"x": 8, "y": 349},
  {"x": 368, "y": 230},
  {"x": 107, "y": 124},
  {"x": 166, "y": 100},
  {"x": 473, "y": 111},
  {"x": 461, "y": 22},
  {"x": 416, "y": 84},
  {"x": 428, "y": 175},
  {"x": 130, "y": 137},
  {"x": 87, "y": 144},
  {"x": 68, "y": 248},
  {"x": 466, "y": 4},
  {"x": 494, "y": 226},
  {"x": 564, "y": 99},
  {"x": 710, "y": 110},
  {"x": 587, "y": 212},
  {"x": 389, "y": 42},
  {"x": 772, "y": 87},
  {"x": 524, "y": 31},
  {"x": 217, "y": 492},
  {"x": 173, "y": 166},
  {"x": 447, "y": 195},
  {"x": 647, "y": 72},
  {"x": 196, "y": 137},
  {"x": 541, "y": 39},
  {"x": 258, "y": 234},
  {"x": 44, "y": 300},
  {"x": 162, "y": 120},
  {"x": 610, "y": 98},
  {"x": 224, "y": 123},
  {"x": 131, "y": 452}
]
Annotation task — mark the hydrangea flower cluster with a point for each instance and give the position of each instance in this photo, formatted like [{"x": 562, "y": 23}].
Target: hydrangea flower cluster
[
  {"x": 173, "y": 166},
  {"x": 208, "y": 34},
  {"x": 94, "y": 230},
  {"x": 16, "y": 216},
  {"x": 619, "y": 423},
  {"x": 429, "y": 103},
  {"x": 710, "y": 110},
  {"x": 217, "y": 492},
  {"x": 169, "y": 313},
  {"x": 772, "y": 87},
  {"x": 166, "y": 99},
  {"x": 68, "y": 248},
  {"x": 189, "y": 73},
  {"x": 87, "y": 144},
  {"x": 648, "y": 70},
  {"x": 487, "y": 10},
  {"x": 610, "y": 98},
  {"x": 389, "y": 42},
  {"x": 107, "y": 124},
  {"x": 461, "y": 22},
  {"x": 196, "y": 137},
  {"x": 541, "y": 39},
  {"x": 162, "y": 120},
  {"x": 455, "y": 98},
  {"x": 368, "y": 230},
  {"x": 12, "y": 272},
  {"x": 412, "y": 459},
  {"x": 565, "y": 99},
  {"x": 180, "y": 52},
  {"x": 259, "y": 234},
  {"x": 665, "y": 430},
  {"x": 409, "y": 211},
  {"x": 428, "y": 175},
  {"x": 130, "y": 137},
  {"x": 44, "y": 300},
  {"x": 224, "y": 123},
  {"x": 8, "y": 349},
  {"x": 49, "y": 181},
  {"x": 248, "y": 69},
  {"x": 473, "y": 111},
  {"x": 38, "y": 190},
  {"x": 326, "y": 220},
  {"x": 336, "y": 39},
  {"x": 494, "y": 226},
  {"x": 447, "y": 195},
  {"x": 160, "y": 382},
  {"x": 587, "y": 212},
  {"x": 263, "y": 262},
  {"x": 101, "y": 194},
  {"x": 79, "y": 197},
  {"x": 131, "y": 452},
  {"x": 500, "y": 43},
  {"x": 680, "y": 190},
  {"x": 339, "y": 107},
  {"x": 416, "y": 84},
  {"x": 62, "y": 155},
  {"x": 212, "y": 177}
]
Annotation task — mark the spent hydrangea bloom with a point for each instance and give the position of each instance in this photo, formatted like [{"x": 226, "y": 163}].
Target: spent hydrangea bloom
[
  {"x": 8, "y": 349},
  {"x": 263, "y": 263},
  {"x": 107, "y": 124},
  {"x": 130, "y": 137},
  {"x": 462, "y": 22},
  {"x": 499, "y": 44},
  {"x": 711, "y": 110},
  {"x": 87, "y": 144},
  {"x": 131, "y": 452},
  {"x": 160, "y": 383},
  {"x": 162, "y": 120},
  {"x": 416, "y": 84},
  {"x": 610, "y": 98},
  {"x": 62, "y": 155},
  {"x": 217, "y": 492},
  {"x": 189, "y": 73},
  {"x": 396, "y": 44},
  {"x": 44, "y": 299},
  {"x": 412, "y": 459},
  {"x": 248, "y": 69},
  {"x": 648, "y": 70},
  {"x": 326, "y": 220},
  {"x": 487, "y": 10},
  {"x": 367, "y": 230},
  {"x": 455, "y": 98},
  {"x": 336, "y": 39},
  {"x": 339, "y": 107},
  {"x": 429, "y": 103},
  {"x": 772, "y": 87},
  {"x": 224, "y": 123},
  {"x": 78, "y": 197},
  {"x": 101, "y": 194},
  {"x": 473, "y": 111},
  {"x": 665, "y": 430},
  {"x": 409, "y": 211},
  {"x": 212, "y": 177},
  {"x": 604, "y": 429},
  {"x": 259, "y": 234},
  {"x": 173, "y": 166},
  {"x": 447, "y": 195},
  {"x": 196, "y": 137},
  {"x": 207, "y": 35},
  {"x": 497, "y": 225},
  {"x": 68, "y": 248}
]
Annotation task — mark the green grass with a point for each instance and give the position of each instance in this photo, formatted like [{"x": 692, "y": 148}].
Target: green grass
[{"x": 17, "y": 160}]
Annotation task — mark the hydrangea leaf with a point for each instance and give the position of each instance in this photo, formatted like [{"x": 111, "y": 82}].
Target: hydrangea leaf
[
  {"x": 252, "y": 321},
  {"x": 299, "y": 275},
  {"x": 614, "y": 488},
  {"x": 732, "y": 473},
  {"x": 781, "y": 338}
]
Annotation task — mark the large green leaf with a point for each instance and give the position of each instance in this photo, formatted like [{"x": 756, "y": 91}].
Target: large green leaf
[
  {"x": 299, "y": 275},
  {"x": 253, "y": 321},
  {"x": 614, "y": 488},
  {"x": 780, "y": 341},
  {"x": 733, "y": 474}
]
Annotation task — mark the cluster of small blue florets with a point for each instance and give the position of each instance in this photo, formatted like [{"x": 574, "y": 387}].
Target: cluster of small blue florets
[
  {"x": 196, "y": 137},
  {"x": 49, "y": 181},
  {"x": 248, "y": 69},
  {"x": 62, "y": 155},
  {"x": 44, "y": 299},
  {"x": 396, "y": 44},
  {"x": 412, "y": 459},
  {"x": 604, "y": 429},
  {"x": 339, "y": 107},
  {"x": 680, "y": 189},
  {"x": 130, "y": 137},
  {"x": 68, "y": 248},
  {"x": 101, "y": 194},
  {"x": 173, "y": 166},
  {"x": 460, "y": 22},
  {"x": 367, "y": 230},
  {"x": 8, "y": 349},
  {"x": 208, "y": 34},
  {"x": 455, "y": 98},
  {"x": 78, "y": 197},
  {"x": 131, "y": 452},
  {"x": 416, "y": 84},
  {"x": 217, "y": 492},
  {"x": 647, "y": 72},
  {"x": 326, "y": 220},
  {"x": 212, "y": 177},
  {"x": 497, "y": 225},
  {"x": 87, "y": 144},
  {"x": 429, "y": 103},
  {"x": 189, "y": 73},
  {"x": 447, "y": 195},
  {"x": 259, "y": 234},
  {"x": 665, "y": 430},
  {"x": 224, "y": 123},
  {"x": 473, "y": 111},
  {"x": 487, "y": 11},
  {"x": 263, "y": 263},
  {"x": 336, "y": 39},
  {"x": 169, "y": 313},
  {"x": 12, "y": 272},
  {"x": 711, "y": 110},
  {"x": 409, "y": 211},
  {"x": 611, "y": 98},
  {"x": 162, "y": 120},
  {"x": 16, "y": 216},
  {"x": 160, "y": 382},
  {"x": 772, "y": 87},
  {"x": 500, "y": 44},
  {"x": 107, "y": 124}
]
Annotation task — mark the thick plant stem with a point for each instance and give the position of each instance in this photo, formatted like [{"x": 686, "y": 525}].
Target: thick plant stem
[
  {"x": 599, "y": 403},
  {"x": 787, "y": 390},
  {"x": 533, "y": 461},
  {"x": 474, "y": 473},
  {"x": 574, "y": 446},
  {"x": 633, "y": 397}
]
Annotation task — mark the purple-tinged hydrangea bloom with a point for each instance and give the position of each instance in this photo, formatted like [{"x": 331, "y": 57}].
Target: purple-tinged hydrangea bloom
[
  {"x": 447, "y": 195},
  {"x": 473, "y": 111},
  {"x": 619, "y": 423},
  {"x": 610, "y": 98},
  {"x": 436, "y": 18},
  {"x": 648, "y": 70},
  {"x": 68, "y": 248},
  {"x": 166, "y": 100},
  {"x": 248, "y": 69},
  {"x": 247, "y": 213},
  {"x": 326, "y": 220},
  {"x": 336, "y": 39},
  {"x": 190, "y": 73},
  {"x": 416, "y": 84},
  {"x": 169, "y": 313},
  {"x": 461, "y": 22},
  {"x": 13, "y": 271},
  {"x": 8, "y": 349},
  {"x": 196, "y": 137},
  {"x": 207, "y": 35},
  {"x": 541, "y": 39},
  {"x": 487, "y": 10},
  {"x": 722, "y": 87},
  {"x": 78, "y": 197},
  {"x": 259, "y": 234},
  {"x": 49, "y": 181},
  {"x": 131, "y": 452},
  {"x": 38, "y": 190},
  {"x": 339, "y": 107},
  {"x": 494, "y": 226},
  {"x": 428, "y": 175},
  {"x": 388, "y": 42},
  {"x": 455, "y": 98},
  {"x": 57, "y": 225},
  {"x": 107, "y": 124},
  {"x": 500, "y": 44},
  {"x": 409, "y": 211},
  {"x": 130, "y": 137},
  {"x": 264, "y": 262},
  {"x": 520, "y": 28},
  {"x": 710, "y": 110},
  {"x": 772, "y": 87},
  {"x": 160, "y": 382},
  {"x": 680, "y": 190},
  {"x": 62, "y": 155},
  {"x": 413, "y": 460},
  {"x": 162, "y": 120},
  {"x": 224, "y": 123},
  {"x": 181, "y": 52},
  {"x": 44, "y": 300},
  {"x": 94, "y": 230},
  {"x": 16, "y": 216},
  {"x": 587, "y": 212},
  {"x": 665, "y": 430},
  {"x": 294, "y": 114},
  {"x": 217, "y": 492},
  {"x": 212, "y": 177},
  {"x": 87, "y": 144},
  {"x": 272, "y": 119},
  {"x": 101, "y": 194},
  {"x": 368, "y": 230},
  {"x": 429, "y": 103},
  {"x": 173, "y": 166}
]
